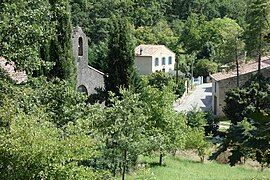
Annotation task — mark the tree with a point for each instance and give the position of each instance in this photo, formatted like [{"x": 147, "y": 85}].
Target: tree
[
  {"x": 257, "y": 18},
  {"x": 34, "y": 145},
  {"x": 196, "y": 122},
  {"x": 165, "y": 129},
  {"x": 210, "y": 9},
  {"x": 60, "y": 46},
  {"x": 24, "y": 26},
  {"x": 160, "y": 80},
  {"x": 252, "y": 97},
  {"x": 204, "y": 67},
  {"x": 123, "y": 129},
  {"x": 213, "y": 39},
  {"x": 120, "y": 59},
  {"x": 248, "y": 139}
]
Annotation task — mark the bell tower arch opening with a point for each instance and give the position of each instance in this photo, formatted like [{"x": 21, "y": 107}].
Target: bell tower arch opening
[{"x": 80, "y": 46}]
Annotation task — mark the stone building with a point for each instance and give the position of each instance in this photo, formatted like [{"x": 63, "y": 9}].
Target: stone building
[
  {"x": 88, "y": 78},
  {"x": 225, "y": 81},
  {"x": 151, "y": 58}
]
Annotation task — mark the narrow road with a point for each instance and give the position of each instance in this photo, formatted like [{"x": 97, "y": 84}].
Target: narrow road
[{"x": 201, "y": 98}]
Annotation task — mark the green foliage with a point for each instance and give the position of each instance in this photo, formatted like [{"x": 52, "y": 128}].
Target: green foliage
[
  {"x": 24, "y": 26},
  {"x": 120, "y": 59},
  {"x": 123, "y": 129},
  {"x": 196, "y": 140},
  {"x": 196, "y": 118},
  {"x": 33, "y": 148},
  {"x": 46, "y": 131},
  {"x": 196, "y": 122},
  {"x": 204, "y": 67},
  {"x": 57, "y": 97},
  {"x": 160, "y": 80},
  {"x": 257, "y": 27},
  {"x": 248, "y": 139},
  {"x": 211, "y": 9},
  {"x": 165, "y": 128},
  {"x": 215, "y": 39},
  {"x": 252, "y": 97},
  {"x": 60, "y": 46}
]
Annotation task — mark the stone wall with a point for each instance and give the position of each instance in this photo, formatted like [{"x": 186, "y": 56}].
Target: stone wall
[
  {"x": 219, "y": 89},
  {"x": 88, "y": 78}
]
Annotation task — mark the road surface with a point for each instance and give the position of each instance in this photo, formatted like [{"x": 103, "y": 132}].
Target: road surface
[{"x": 201, "y": 98}]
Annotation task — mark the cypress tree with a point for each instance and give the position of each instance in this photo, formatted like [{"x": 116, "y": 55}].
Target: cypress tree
[
  {"x": 61, "y": 45},
  {"x": 120, "y": 59}
]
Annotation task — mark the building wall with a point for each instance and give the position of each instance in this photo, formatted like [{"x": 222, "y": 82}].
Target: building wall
[
  {"x": 225, "y": 85},
  {"x": 87, "y": 76},
  {"x": 143, "y": 64},
  {"x": 146, "y": 64},
  {"x": 165, "y": 67}
]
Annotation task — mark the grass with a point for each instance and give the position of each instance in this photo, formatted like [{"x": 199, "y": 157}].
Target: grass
[{"x": 177, "y": 168}]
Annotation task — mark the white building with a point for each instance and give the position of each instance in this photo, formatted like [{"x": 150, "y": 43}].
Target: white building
[{"x": 152, "y": 58}]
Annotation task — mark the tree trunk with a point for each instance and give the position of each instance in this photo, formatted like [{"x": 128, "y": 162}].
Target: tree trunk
[
  {"x": 124, "y": 165},
  {"x": 260, "y": 54},
  {"x": 237, "y": 63},
  {"x": 202, "y": 159},
  {"x": 176, "y": 78},
  {"x": 160, "y": 159}
]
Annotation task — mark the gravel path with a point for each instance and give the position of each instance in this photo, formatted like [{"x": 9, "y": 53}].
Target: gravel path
[{"x": 201, "y": 97}]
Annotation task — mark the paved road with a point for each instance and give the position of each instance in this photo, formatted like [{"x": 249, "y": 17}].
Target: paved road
[{"x": 201, "y": 97}]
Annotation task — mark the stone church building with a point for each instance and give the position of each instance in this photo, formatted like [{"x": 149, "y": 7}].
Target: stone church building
[{"x": 88, "y": 78}]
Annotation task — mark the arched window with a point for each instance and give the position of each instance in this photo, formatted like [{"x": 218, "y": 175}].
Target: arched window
[
  {"x": 80, "y": 47},
  {"x": 156, "y": 62},
  {"x": 170, "y": 60},
  {"x": 82, "y": 89},
  {"x": 163, "y": 61}
]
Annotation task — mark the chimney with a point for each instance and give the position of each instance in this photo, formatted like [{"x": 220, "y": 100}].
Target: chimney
[{"x": 141, "y": 51}]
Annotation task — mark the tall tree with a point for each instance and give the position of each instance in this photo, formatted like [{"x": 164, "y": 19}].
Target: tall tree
[
  {"x": 258, "y": 16},
  {"x": 60, "y": 46},
  {"x": 120, "y": 59},
  {"x": 123, "y": 131}
]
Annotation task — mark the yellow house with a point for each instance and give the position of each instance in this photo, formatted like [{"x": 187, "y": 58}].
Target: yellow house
[
  {"x": 225, "y": 81},
  {"x": 152, "y": 58}
]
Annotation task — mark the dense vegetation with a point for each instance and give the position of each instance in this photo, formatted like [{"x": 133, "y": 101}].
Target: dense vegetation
[
  {"x": 248, "y": 109},
  {"x": 48, "y": 131}
]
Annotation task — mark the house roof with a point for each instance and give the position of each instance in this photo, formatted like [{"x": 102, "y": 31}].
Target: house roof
[
  {"x": 9, "y": 67},
  {"x": 150, "y": 50},
  {"x": 244, "y": 69}
]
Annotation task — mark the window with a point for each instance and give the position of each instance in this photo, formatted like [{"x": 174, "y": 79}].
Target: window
[
  {"x": 163, "y": 61},
  {"x": 80, "y": 48},
  {"x": 156, "y": 62},
  {"x": 170, "y": 60}
]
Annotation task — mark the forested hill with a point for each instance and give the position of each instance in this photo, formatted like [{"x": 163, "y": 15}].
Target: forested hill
[
  {"x": 203, "y": 29},
  {"x": 31, "y": 31}
]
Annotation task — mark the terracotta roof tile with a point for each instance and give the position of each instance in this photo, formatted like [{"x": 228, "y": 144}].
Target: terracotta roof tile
[
  {"x": 244, "y": 69},
  {"x": 9, "y": 67},
  {"x": 149, "y": 49}
]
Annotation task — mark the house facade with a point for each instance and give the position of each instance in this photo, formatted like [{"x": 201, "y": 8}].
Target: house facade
[
  {"x": 152, "y": 58},
  {"x": 225, "y": 81}
]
